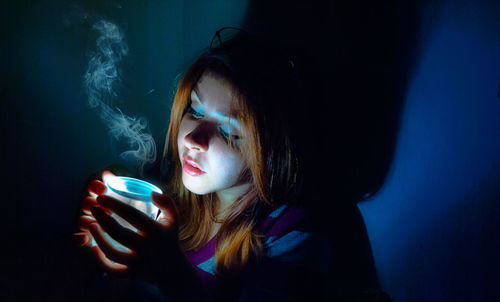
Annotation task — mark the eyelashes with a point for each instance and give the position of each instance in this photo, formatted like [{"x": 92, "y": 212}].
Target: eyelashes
[
  {"x": 196, "y": 115},
  {"x": 193, "y": 113}
]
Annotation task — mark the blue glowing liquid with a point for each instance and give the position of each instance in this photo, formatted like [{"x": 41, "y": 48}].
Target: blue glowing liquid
[{"x": 131, "y": 188}]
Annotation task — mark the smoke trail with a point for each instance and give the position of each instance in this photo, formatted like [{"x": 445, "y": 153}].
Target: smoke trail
[{"x": 101, "y": 80}]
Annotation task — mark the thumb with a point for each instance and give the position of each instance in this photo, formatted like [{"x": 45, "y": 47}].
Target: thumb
[{"x": 169, "y": 215}]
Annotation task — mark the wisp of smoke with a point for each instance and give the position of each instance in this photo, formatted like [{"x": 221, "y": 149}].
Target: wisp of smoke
[
  {"x": 102, "y": 74},
  {"x": 101, "y": 80}
]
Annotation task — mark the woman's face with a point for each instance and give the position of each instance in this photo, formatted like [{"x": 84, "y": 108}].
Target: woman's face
[{"x": 209, "y": 164}]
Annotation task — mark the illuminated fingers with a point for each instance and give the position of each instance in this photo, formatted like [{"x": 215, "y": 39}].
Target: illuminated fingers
[
  {"x": 105, "y": 174},
  {"x": 87, "y": 203},
  {"x": 82, "y": 238},
  {"x": 96, "y": 187},
  {"x": 135, "y": 217},
  {"x": 109, "y": 265},
  {"x": 109, "y": 253},
  {"x": 84, "y": 222},
  {"x": 111, "y": 249},
  {"x": 119, "y": 233}
]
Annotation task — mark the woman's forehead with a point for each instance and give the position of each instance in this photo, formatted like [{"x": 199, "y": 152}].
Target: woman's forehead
[{"x": 214, "y": 94}]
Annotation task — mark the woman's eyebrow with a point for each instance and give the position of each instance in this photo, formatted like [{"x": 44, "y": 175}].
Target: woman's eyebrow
[{"x": 217, "y": 114}]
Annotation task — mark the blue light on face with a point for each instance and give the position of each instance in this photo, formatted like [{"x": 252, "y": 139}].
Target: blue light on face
[{"x": 132, "y": 188}]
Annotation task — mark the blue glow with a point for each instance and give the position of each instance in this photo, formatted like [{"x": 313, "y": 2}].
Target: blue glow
[
  {"x": 221, "y": 117},
  {"x": 132, "y": 188}
]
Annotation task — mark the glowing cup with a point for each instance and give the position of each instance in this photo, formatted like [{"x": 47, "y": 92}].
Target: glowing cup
[{"x": 134, "y": 192}]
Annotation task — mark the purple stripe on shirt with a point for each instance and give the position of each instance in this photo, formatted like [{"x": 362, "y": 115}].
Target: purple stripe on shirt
[
  {"x": 271, "y": 218},
  {"x": 292, "y": 218},
  {"x": 285, "y": 220},
  {"x": 203, "y": 254}
]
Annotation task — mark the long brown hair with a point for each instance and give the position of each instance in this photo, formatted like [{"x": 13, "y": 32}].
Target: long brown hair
[{"x": 262, "y": 84}]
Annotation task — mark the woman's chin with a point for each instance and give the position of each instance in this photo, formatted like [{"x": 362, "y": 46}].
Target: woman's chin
[{"x": 193, "y": 186}]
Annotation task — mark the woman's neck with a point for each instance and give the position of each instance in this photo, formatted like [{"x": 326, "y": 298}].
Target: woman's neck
[{"x": 227, "y": 197}]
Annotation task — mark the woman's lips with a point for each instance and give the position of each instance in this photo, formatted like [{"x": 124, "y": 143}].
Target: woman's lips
[{"x": 191, "y": 168}]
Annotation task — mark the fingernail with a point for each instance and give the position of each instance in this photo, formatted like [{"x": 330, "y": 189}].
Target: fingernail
[{"x": 156, "y": 194}]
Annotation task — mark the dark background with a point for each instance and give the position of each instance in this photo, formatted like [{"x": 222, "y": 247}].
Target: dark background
[{"x": 403, "y": 114}]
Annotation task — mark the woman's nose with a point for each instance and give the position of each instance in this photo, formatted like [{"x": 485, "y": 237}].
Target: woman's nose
[{"x": 198, "y": 138}]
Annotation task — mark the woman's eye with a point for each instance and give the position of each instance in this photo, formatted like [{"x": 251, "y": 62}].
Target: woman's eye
[
  {"x": 226, "y": 135},
  {"x": 223, "y": 132},
  {"x": 194, "y": 113}
]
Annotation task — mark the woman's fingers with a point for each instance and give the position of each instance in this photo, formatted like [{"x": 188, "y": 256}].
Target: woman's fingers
[
  {"x": 109, "y": 265},
  {"x": 105, "y": 174},
  {"x": 82, "y": 238},
  {"x": 87, "y": 203},
  {"x": 90, "y": 202},
  {"x": 113, "y": 250},
  {"x": 169, "y": 212},
  {"x": 84, "y": 222},
  {"x": 108, "y": 251},
  {"x": 96, "y": 187},
  {"x": 133, "y": 216},
  {"x": 118, "y": 232}
]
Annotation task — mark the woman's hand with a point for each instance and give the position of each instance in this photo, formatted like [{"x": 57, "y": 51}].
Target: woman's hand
[
  {"x": 95, "y": 188},
  {"x": 151, "y": 252}
]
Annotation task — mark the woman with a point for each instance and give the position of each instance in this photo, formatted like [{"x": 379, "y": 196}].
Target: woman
[{"x": 230, "y": 228}]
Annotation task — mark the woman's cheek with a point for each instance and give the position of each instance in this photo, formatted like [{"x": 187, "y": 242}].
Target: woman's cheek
[
  {"x": 183, "y": 129},
  {"x": 227, "y": 160},
  {"x": 219, "y": 157}
]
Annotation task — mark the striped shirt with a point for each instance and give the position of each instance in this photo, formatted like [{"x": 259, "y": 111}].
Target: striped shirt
[
  {"x": 294, "y": 265},
  {"x": 292, "y": 253}
]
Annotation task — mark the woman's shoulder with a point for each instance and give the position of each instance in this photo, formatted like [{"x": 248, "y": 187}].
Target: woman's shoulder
[
  {"x": 285, "y": 218},
  {"x": 290, "y": 237},
  {"x": 295, "y": 258}
]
